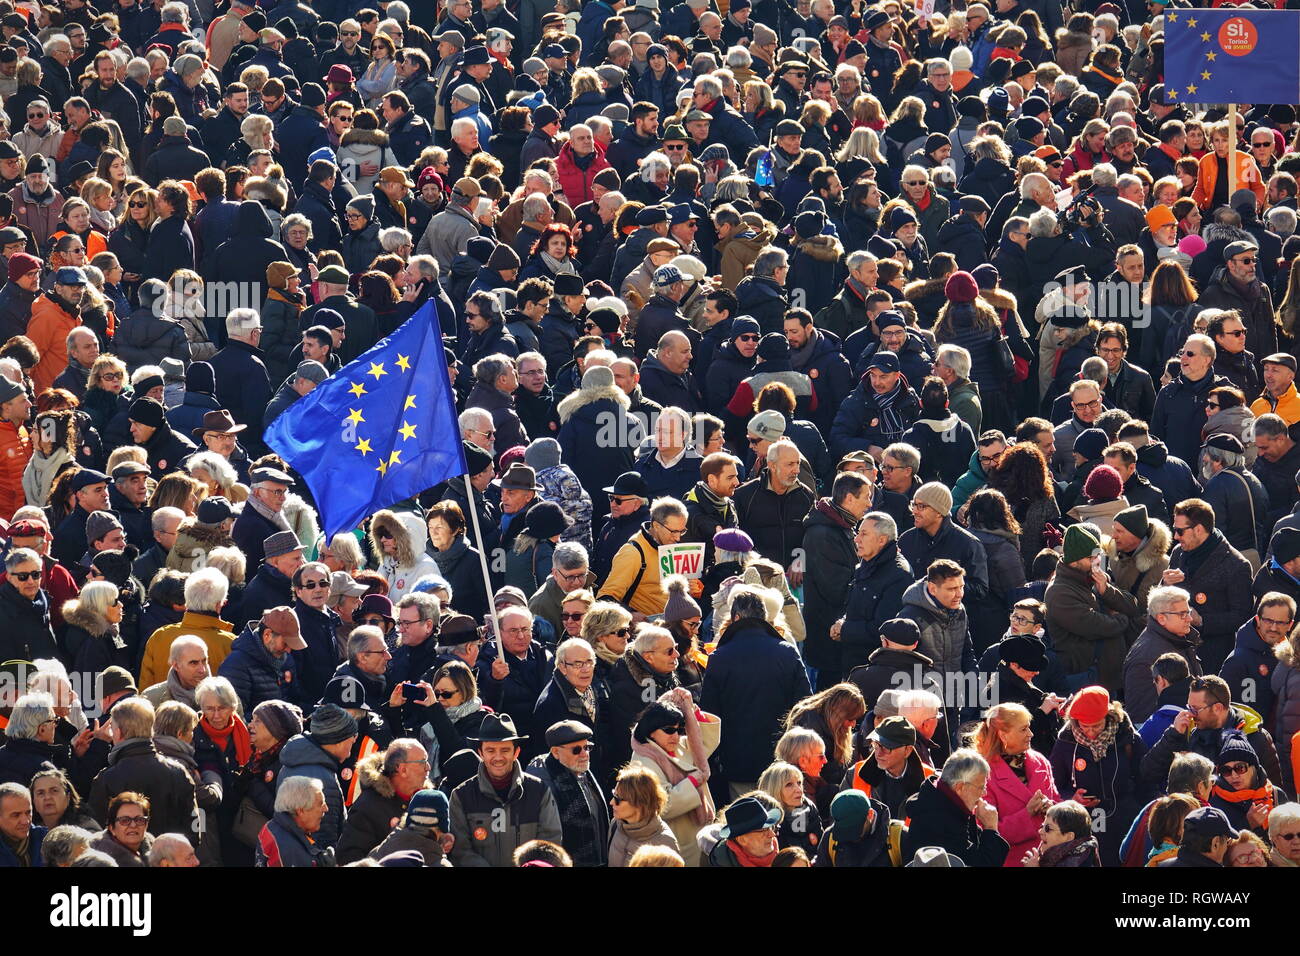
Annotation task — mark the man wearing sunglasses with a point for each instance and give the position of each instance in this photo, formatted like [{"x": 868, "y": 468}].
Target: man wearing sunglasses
[
  {"x": 25, "y": 608},
  {"x": 1179, "y": 413},
  {"x": 566, "y": 771},
  {"x": 1237, "y": 286}
]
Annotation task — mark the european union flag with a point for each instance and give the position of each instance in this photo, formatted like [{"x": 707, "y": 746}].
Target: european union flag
[
  {"x": 381, "y": 429},
  {"x": 1232, "y": 55}
]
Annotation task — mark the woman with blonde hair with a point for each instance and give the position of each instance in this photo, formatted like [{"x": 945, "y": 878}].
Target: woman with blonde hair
[
  {"x": 802, "y": 825},
  {"x": 683, "y": 771},
  {"x": 1020, "y": 784},
  {"x": 108, "y": 392},
  {"x": 607, "y": 627},
  {"x": 832, "y": 714},
  {"x": 177, "y": 490},
  {"x": 761, "y": 108},
  {"x": 98, "y": 195},
  {"x": 638, "y": 799},
  {"x": 185, "y": 305}
]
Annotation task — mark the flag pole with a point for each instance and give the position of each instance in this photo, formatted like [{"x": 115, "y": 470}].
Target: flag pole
[
  {"x": 483, "y": 565},
  {"x": 1232, "y": 148}
]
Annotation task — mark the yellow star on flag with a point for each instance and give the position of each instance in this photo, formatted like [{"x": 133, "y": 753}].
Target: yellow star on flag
[
  {"x": 376, "y": 369},
  {"x": 382, "y": 467},
  {"x": 395, "y": 458},
  {"x": 355, "y": 418},
  {"x": 357, "y": 389},
  {"x": 410, "y": 402},
  {"x": 1205, "y": 74},
  {"x": 1211, "y": 55},
  {"x": 1205, "y": 37},
  {"x": 1191, "y": 87},
  {"x": 1171, "y": 17},
  {"x": 363, "y": 446},
  {"x": 407, "y": 430},
  {"x": 403, "y": 363},
  {"x": 1171, "y": 93},
  {"x": 1191, "y": 22}
]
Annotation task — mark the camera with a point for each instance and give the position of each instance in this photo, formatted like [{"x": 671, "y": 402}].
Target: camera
[
  {"x": 1073, "y": 216},
  {"x": 413, "y": 692}
]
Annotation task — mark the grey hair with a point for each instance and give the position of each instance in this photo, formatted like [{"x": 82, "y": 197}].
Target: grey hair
[
  {"x": 1069, "y": 89},
  {"x": 1188, "y": 771},
  {"x": 146, "y": 371},
  {"x": 964, "y": 766},
  {"x": 936, "y": 63},
  {"x": 428, "y": 606},
  {"x": 738, "y": 56},
  {"x": 795, "y": 743},
  {"x": 542, "y": 176},
  {"x": 775, "y": 448},
  {"x": 71, "y": 339},
  {"x": 14, "y": 790},
  {"x": 1270, "y": 425},
  {"x": 242, "y": 321},
  {"x": 1288, "y": 814},
  {"x": 206, "y": 591},
  {"x": 229, "y": 561},
  {"x": 655, "y": 162},
  {"x": 472, "y": 418},
  {"x": 488, "y": 370},
  {"x": 769, "y": 260},
  {"x": 537, "y": 357},
  {"x": 956, "y": 358},
  {"x": 990, "y": 147},
  {"x": 561, "y": 652},
  {"x": 732, "y": 188},
  {"x": 462, "y": 124},
  {"x": 1127, "y": 181},
  {"x": 1094, "y": 369},
  {"x": 666, "y": 507},
  {"x": 1119, "y": 134},
  {"x": 1163, "y": 597},
  {"x": 1228, "y": 459},
  {"x": 393, "y": 238},
  {"x": 174, "y": 13},
  {"x": 570, "y": 556},
  {"x": 883, "y": 524},
  {"x": 648, "y": 636},
  {"x": 93, "y": 858},
  {"x": 297, "y": 793},
  {"x": 137, "y": 68},
  {"x": 185, "y": 640},
  {"x": 221, "y": 688},
  {"x": 908, "y": 455},
  {"x": 32, "y": 709},
  {"x": 21, "y": 556},
  {"x": 1015, "y": 224},
  {"x": 1044, "y": 224},
  {"x": 1104, "y": 174},
  {"x": 96, "y": 597},
  {"x": 1032, "y": 183},
  {"x": 293, "y": 220},
  {"x": 1283, "y": 221},
  {"x": 160, "y": 517},
  {"x": 854, "y": 260},
  {"x": 62, "y": 844},
  {"x": 534, "y": 205},
  {"x": 709, "y": 86},
  {"x": 1204, "y": 343},
  {"x": 919, "y": 705},
  {"x": 167, "y": 845},
  {"x": 396, "y": 754},
  {"x": 358, "y": 638}
]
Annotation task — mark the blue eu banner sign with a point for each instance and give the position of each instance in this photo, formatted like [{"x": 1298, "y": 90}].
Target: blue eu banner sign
[
  {"x": 1231, "y": 55},
  {"x": 380, "y": 430}
]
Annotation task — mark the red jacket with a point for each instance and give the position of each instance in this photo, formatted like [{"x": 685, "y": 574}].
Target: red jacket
[
  {"x": 575, "y": 182},
  {"x": 15, "y": 451}
]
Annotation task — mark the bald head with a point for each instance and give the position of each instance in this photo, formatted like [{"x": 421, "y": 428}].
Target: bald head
[{"x": 675, "y": 352}]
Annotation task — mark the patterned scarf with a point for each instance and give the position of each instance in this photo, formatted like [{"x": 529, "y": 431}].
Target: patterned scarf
[
  {"x": 892, "y": 425},
  {"x": 275, "y": 517},
  {"x": 582, "y": 837},
  {"x": 1103, "y": 741}
]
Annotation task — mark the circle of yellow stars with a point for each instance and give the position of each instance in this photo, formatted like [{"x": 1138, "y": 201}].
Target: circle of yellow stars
[
  {"x": 1210, "y": 55},
  {"x": 355, "y": 416}
]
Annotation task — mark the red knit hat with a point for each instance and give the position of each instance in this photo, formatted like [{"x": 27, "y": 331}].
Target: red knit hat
[
  {"x": 1103, "y": 484},
  {"x": 961, "y": 287},
  {"x": 1089, "y": 705},
  {"x": 20, "y": 264}
]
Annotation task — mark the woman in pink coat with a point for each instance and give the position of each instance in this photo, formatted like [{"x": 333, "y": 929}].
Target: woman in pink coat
[{"x": 1020, "y": 779}]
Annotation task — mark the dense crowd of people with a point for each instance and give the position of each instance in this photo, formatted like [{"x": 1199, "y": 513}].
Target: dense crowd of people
[{"x": 880, "y": 437}]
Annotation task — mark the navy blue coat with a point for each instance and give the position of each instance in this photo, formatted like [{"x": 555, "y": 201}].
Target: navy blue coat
[
  {"x": 35, "y": 839},
  {"x": 1249, "y": 669},
  {"x": 257, "y": 676},
  {"x": 300, "y": 134},
  {"x": 875, "y": 596},
  {"x": 243, "y": 388},
  {"x": 317, "y": 662},
  {"x": 753, "y": 679},
  {"x": 1179, "y": 416},
  {"x": 675, "y": 481},
  {"x": 516, "y": 695}
]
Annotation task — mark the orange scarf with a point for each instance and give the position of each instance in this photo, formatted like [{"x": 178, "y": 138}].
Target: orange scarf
[{"x": 237, "y": 730}]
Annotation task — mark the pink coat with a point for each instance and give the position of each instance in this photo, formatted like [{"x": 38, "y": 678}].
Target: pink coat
[{"x": 1010, "y": 796}]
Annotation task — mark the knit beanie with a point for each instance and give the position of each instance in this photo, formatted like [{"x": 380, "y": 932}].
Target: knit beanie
[
  {"x": 961, "y": 287},
  {"x": 1090, "y": 443},
  {"x": 543, "y": 453},
  {"x": 986, "y": 276},
  {"x": 428, "y": 809},
  {"x": 936, "y": 495},
  {"x": 1079, "y": 543},
  {"x": 20, "y": 264},
  {"x": 147, "y": 412},
  {"x": 1135, "y": 521},
  {"x": 681, "y": 606},
  {"x": 331, "y": 724},
  {"x": 199, "y": 377},
  {"x": 282, "y": 720},
  {"x": 1103, "y": 484},
  {"x": 503, "y": 258},
  {"x": 99, "y": 524},
  {"x": 364, "y": 205},
  {"x": 773, "y": 346},
  {"x": 115, "y": 566},
  {"x": 1236, "y": 747},
  {"x": 809, "y": 224}
]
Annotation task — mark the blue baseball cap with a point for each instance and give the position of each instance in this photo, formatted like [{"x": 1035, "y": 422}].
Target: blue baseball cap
[{"x": 70, "y": 275}]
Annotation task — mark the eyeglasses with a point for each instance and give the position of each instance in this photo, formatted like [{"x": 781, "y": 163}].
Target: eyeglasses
[
  {"x": 1234, "y": 769},
  {"x": 1095, "y": 403},
  {"x": 747, "y": 338},
  {"x": 382, "y": 650},
  {"x": 578, "y": 749},
  {"x": 26, "y": 575},
  {"x": 133, "y": 821},
  {"x": 674, "y": 531},
  {"x": 1021, "y": 619},
  {"x": 888, "y": 468},
  {"x": 1273, "y": 622},
  {"x": 444, "y": 694},
  {"x": 1289, "y": 836},
  {"x": 479, "y": 431},
  {"x": 1235, "y": 333},
  {"x": 1185, "y": 612},
  {"x": 312, "y": 585},
  {"x": 676, "y": 147},
  {"x": 988, "y": 459}
]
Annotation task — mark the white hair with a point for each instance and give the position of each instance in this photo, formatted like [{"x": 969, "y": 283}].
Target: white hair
[
  {"x": 217, "y": 467},
  {"x": 1163, "y": 597},
  {"x": 648, "y": 637},
  {"x": 964, "y": 766},
  {"x": 956, "y": 358},
  {"x": 177, "y": 650},
  {"x": 297, "y": 793},
  {"x": 242, "y": 321},
  {"x": 393, "y": 238},
  {"x": 206, "y": 591},
  {"x": 167, "y": 845},
  {"x": 221, "y": 688}
]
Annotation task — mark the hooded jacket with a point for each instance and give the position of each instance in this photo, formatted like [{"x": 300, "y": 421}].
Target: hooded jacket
[
  {"x": 301, "y": 756},
  {"x": 586, "y": 415},
  {"x": 250, "y": 249},
  {"x": 374, "y": 814},
  {"x": 146, "y": 338}
]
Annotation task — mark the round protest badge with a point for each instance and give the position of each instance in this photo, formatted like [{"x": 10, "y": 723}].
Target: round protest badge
[
  {"x": 269, "y": 776},
  {"x": 1238, "y": 36},
  {"x": 875, "y": 73},
  {"x": 812, "y": 373},
  {"x": 392, "y": 824},
  {"x": 480, "y": 833},
  {"x": 934, "y": 105},
  {"x": 1080, "y": 764},
  {"x": 162, "y": 464},
  {"x": 1200, "y": 597},
  {"x": 288, "y": 677},
  {"x": 346, "y": 773},
  {"x": 1263, "y": 670}
]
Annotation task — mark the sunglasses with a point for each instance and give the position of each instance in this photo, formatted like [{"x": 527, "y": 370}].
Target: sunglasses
[
  {"x": 350, "y": 33},
  {"x": 747, "y": 338},
  {"x": 675, "y": 148},
  {"x": 616, "y": 799},
  {"x": 35, "y": 115},
  {"x": 572, "y": 617},
  {"x": 313, "y": 585},
  {"x": 916, "y": 182},
  {"x": 138, "y": 205},
  {"x": 1234, "y": 769},
  {"x": 1249, "y": 261},
  {"x": 26, "y": 575},
  {"x": 1289, "y": 836},
  {"x": 444, "y": 694},
  {"x": 385, "y": 536},
  {"x": 623, "y": 631},
  {"x": 1236, "y": 334},
  {"x": 753, "y": 441},
  {"x": 674, "y": 730},
  {"x": 578, "y": 749},
  {"x": 1211, "y": 404}
]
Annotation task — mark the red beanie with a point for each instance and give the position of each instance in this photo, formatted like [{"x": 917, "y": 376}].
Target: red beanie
[
  {"x": 1089, "y": 705},
  {"x": 20, "y": 264},
  {"x": 961, "y": 287},
  {"x": 1103, "y": 484}
]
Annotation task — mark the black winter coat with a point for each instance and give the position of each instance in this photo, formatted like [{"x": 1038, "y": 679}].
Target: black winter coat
[
  {"x": 135, "y": 764},
  {"x": 249, "y": 250},
  {"x": 875, "y": 596},
  {"x": 26, "y": 635},
  {"x": 175, "y": 158},
  {"x": 829, "y": 553},
  {"x": 940, "y": 819},
  {"x": 145, "y": 338},
  {"x": 243, "y": 386},
  {"x": 170, "y": 247},
  {"x": 21, "y": 758},
  {"x": 774, "y": 522}
]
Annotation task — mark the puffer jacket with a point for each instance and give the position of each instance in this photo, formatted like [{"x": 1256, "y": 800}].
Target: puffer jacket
[
  {"x": 303, "y": 757},
  {"x": 146, "y": 338},
  {"x": 945, "y": 635},
  {"x": 257, "y": 676},
  {"x": 360, "y": 146},
  {"x": 1088, "y": 631},
  {"x": 408, "y": 528}
]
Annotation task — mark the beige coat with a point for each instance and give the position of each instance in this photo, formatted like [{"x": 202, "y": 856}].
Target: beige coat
[{"x": 684, "y": 797}]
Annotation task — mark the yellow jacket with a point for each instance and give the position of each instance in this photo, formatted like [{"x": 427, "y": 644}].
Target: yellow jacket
[
  {"x": 212, "y": 630},
  {"x": 638, "y": 558},
  {"x": 1288, "y": 406}
]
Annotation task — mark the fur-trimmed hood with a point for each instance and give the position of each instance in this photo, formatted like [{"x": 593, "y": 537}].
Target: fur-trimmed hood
[
  {"x": 589, "y": 396},
  {"x": 923, "y": 288},
  {"x": 1000, "y": 299},
  {"x": 370, "y": 772},
  {"x": 403, "y": 528},
  {"x": 207, "y": 536},
  {"x": 822, "y": 248},
  {"x": 301, "y": 517},
  {"x": 270, "y": 192},
  {"x": 364, "y": 137},
  {"x": 1065, "y": 40},
  {"x": 77, "y": 615},
  {"x": 1152, "y": 550}
]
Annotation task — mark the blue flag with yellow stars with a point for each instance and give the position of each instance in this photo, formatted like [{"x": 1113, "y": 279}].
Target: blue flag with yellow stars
[
  {"x": 1232, "y": 55},
  {"x": 380, "y": 430}
]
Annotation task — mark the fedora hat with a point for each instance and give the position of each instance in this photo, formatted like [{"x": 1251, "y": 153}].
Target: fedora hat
[
  {"x": 218, "y": 421},
  {"x": 520, "y": 477},
  {"x": 496, "y": 729}
]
